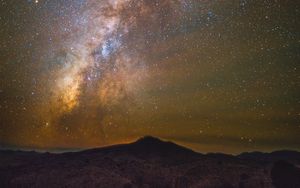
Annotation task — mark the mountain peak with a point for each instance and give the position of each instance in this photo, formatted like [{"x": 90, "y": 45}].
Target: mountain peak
[
  {"x": 150, "y": 144},
  {"x": 149, "y": 140},
  {"x": 145, "y": 146}
]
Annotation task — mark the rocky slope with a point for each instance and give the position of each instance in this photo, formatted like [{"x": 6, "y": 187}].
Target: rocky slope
[{"x": 148, "y": 162}]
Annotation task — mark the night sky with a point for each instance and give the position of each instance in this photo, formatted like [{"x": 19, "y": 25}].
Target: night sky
[{"x": 215, "y": 76}]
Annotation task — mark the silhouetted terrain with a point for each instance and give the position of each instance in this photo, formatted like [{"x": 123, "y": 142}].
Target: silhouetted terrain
[{"x": 149, "y": 162}]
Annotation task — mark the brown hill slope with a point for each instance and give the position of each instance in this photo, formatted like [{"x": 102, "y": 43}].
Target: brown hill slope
[{"x": 148, "y": 162}]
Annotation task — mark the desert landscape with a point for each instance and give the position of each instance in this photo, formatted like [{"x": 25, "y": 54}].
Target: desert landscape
[
  {"x": 150, "y": 163},
  {"x": 149, "y": 94}
]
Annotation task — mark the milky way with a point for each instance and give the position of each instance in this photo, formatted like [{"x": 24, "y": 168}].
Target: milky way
[
  {"x": 103, "y": 62},
  {"x": 212, "y": 75}
]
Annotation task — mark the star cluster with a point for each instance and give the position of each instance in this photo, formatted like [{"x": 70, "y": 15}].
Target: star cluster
[{"x": 211, "y": 75}]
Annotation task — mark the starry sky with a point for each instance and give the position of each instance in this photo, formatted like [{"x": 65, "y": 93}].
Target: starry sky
[{"x": 212, "y": 75}]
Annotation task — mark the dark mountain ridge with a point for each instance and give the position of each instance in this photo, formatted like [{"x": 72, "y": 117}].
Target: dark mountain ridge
[
  {"x": 287, "y": 155},
  {"x": 148, "y": 162}
]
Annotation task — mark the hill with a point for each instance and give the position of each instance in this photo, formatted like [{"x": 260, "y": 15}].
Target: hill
[{"x": 148, "y": 162}]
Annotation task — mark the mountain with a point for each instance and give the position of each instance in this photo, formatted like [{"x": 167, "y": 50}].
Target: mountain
[
  {"x": 291, "y": 156},
  {"x": 151, "y": 163}
]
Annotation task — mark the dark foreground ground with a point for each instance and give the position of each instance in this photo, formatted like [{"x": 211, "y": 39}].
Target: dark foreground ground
[{"x": 149, "y": 162}]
